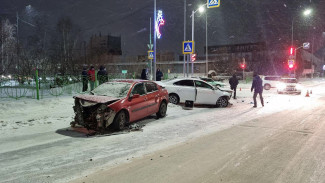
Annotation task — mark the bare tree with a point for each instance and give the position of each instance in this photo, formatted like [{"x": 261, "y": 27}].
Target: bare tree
[{"x": 8, "y": 46}]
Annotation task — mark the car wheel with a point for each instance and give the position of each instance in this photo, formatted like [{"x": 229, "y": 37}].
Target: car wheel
[
  {"x": 173, "y": 98},
  {"x": 120, "y": 121},
  {"x": 162, "y": 110},
  {"x": 218, "y": 85},
  {"x": 267, "y": 87},
  {"x": 222, "y": 102}
]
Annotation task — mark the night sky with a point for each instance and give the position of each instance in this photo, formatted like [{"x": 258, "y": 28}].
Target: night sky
[{"x": 234, "y": 22}]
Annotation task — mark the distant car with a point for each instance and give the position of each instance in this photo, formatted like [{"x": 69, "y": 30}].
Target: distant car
[
  {"x": 118, "y": 103},
  {"x": 196, "y": 90},
  {"x": 289, "y": 85},
  {"x": 213, "y": 82},
  {"x": 270, "y": 81}
]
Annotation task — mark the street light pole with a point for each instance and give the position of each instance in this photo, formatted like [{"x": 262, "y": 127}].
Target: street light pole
[
  {"x": 184, "y": 69},
  {"x": 292, "y": 33},
  {"x": 193, "y": 38},
  {"x": 206, "y": 44}
]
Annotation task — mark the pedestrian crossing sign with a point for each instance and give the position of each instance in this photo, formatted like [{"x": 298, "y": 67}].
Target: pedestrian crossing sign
[
  {"x": 188, "y": 47},
  {"x": 150, "y": 54},
  {"x": 213, "y": 3}
]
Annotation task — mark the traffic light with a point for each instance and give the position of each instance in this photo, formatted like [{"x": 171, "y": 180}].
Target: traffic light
[
  {"x": 193, "y": 57},
  {"x": 243, "y": 66},
  {"x": 290, "y": 66},
  {"x": 291, "y": 63},
  {"x": 292, "y": 50}
]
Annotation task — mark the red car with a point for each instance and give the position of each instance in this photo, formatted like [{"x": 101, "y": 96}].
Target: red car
[{"x": 118, "y": 103}]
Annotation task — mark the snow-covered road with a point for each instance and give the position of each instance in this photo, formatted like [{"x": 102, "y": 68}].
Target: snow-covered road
[{"x": 37, "y": 145}]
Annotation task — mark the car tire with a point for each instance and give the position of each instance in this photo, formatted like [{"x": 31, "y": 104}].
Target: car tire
[
  {"x": 162, "y": 110},
  {"x": 218, "y": 85},
  {"x": 267, "y": 87},
  {"x": 222, "y": 102},
  {"x": 120, "y": 120},
  {"x": 173, "y": 98}
]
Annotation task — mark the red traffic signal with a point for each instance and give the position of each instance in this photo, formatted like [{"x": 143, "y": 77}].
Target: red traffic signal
[
  {"x": 243, "y": 66},
  {"x": 292, "y": 50},
  {"x": 193, "y": 57}
]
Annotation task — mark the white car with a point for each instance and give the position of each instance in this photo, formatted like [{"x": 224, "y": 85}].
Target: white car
[
  {"x": 196, "y": 90},
  {"x": 289, "y": 85},
  {"x": 270, "y": 81}
]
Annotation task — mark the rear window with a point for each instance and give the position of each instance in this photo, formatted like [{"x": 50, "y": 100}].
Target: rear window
[
  {"x": 272, "y": 78},
  {"x": 289, "y": 80}
]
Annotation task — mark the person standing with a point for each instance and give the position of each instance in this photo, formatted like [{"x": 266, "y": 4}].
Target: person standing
[
  {"x": 233, "y": 81},
  {"x": 102, "y": 75},
  {"x": 257, "y": 85},
  {"x": 144, "y": 74},
  {"x": 84, "y": 76},
  {"x": 92, "y": 77},
  {"x": 159, "y": 75}
]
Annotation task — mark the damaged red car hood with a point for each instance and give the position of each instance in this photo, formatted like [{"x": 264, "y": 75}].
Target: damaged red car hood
[{"x": 97, "y": 99}]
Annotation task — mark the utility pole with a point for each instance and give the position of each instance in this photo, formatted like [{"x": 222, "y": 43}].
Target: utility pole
[
  {"x": 150, "y": 60},
  {"x": 184, "y": 68},
  {"x": 193, "y": 39},
  {"x": 206, "y": 44}
]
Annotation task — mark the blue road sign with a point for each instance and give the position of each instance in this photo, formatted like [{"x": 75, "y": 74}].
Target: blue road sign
[
  {"x": 213, "y": 3},
  {"x": 150, "y": 54},
  {"x": 188, "y": 47}
]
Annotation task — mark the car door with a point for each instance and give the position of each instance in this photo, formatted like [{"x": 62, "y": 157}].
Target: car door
[
  {"x": 152, "y": 97},
  {"x": 185, "y": 90},
  {"x": 138, "y": 106},
  {"x": 205, "y": 93}
]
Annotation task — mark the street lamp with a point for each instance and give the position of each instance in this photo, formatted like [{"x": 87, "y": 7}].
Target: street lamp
[
  {"x": 307, "y": 12},
  {"x": 201, "y": 9}
]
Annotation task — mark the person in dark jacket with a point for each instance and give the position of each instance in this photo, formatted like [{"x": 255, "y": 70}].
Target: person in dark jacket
[
  {"x": 159, "y": 75},
  {"x": 257, "y": 85},
  {"x": 233, "y": 81},
  {"x": 102, "y": 75},
  {"x": 84, "y": 78},
  {"x": 144, "y": 74}
]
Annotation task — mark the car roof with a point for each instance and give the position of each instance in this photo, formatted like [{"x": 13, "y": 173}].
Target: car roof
[
  {"x": 271, "y": 76},
  {"x": 131, "y": 80},
  {"x": 288, "y": 78}
]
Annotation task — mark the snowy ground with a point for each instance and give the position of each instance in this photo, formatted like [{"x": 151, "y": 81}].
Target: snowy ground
[{"x": 37, "y": 145}]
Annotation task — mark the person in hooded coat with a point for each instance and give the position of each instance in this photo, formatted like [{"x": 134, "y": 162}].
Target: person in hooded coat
[
  {"x": 144, "y": 74},
  {"x": 233, "y": 81},
  {"x": 102, "y": 75},
  {"x": 257, "y": 86},
  {"x": 159, "y": 75}
]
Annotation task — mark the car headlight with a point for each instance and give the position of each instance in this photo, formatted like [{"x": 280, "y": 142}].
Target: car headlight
[
  {"x": 299, "y": 87},
  {"x": 281, "y": 86}
]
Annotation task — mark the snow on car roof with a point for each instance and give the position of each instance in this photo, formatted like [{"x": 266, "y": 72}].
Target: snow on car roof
[{"x": 113, "y": 89}]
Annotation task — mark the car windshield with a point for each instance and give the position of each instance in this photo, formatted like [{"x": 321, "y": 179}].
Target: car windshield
[
  {"x": 289, "y": 80},
  {"x": 112, "y": 89}
]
